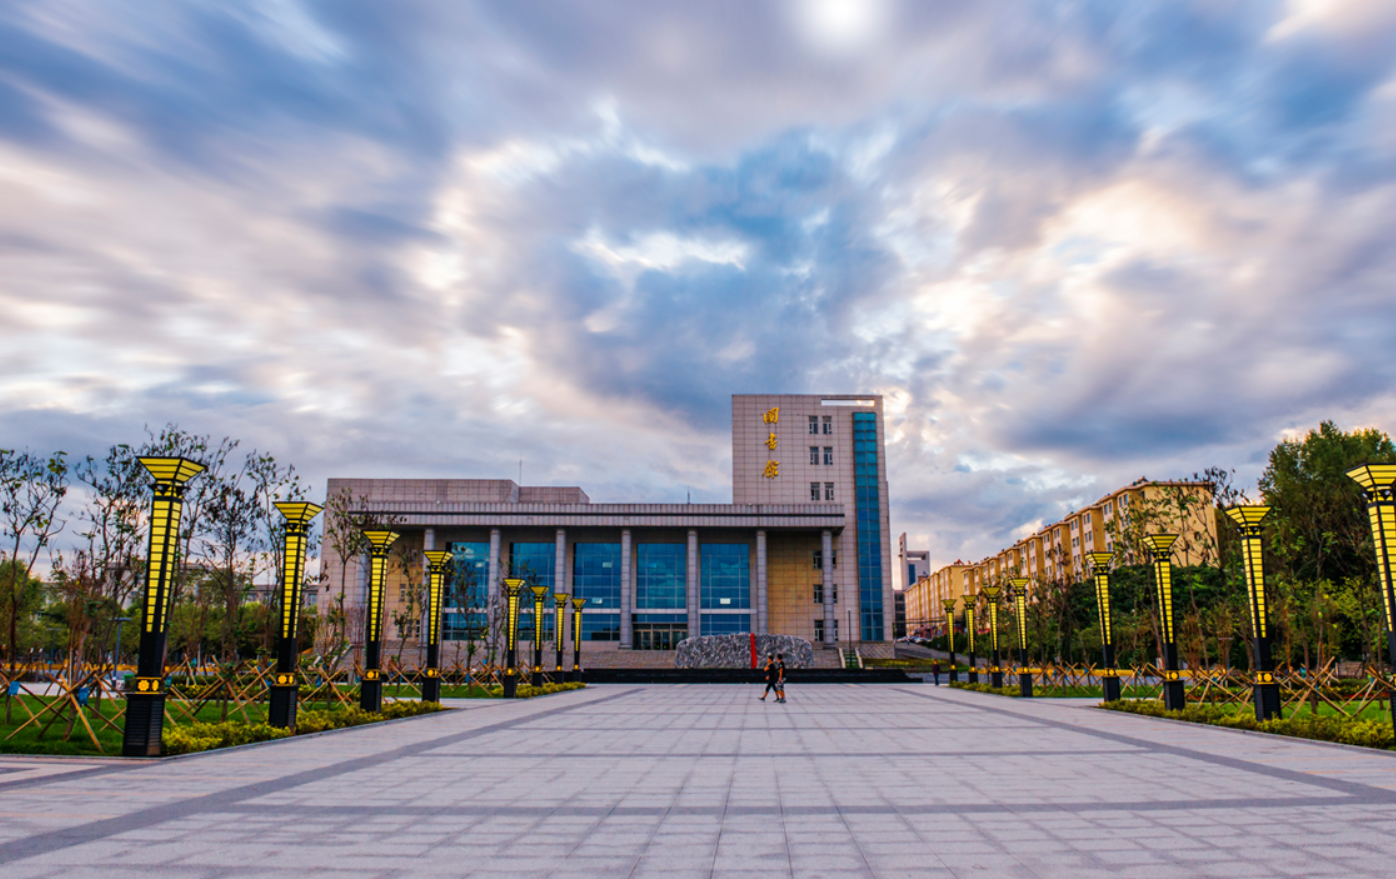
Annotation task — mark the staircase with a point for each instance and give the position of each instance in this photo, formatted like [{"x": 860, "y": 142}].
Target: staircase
[{"x": 850, "y": 658}]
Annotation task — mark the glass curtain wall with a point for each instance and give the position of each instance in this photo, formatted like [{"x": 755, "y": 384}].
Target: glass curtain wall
[
  {"x": 660, "y": 584},
  {"x": 596, "y": 577},
  {"x": 868, "y": 508},
  {"x": 533, "y": 562},
  {"x": 466, "y": 592}
]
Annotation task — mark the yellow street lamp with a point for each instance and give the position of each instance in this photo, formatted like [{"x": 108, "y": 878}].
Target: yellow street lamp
[
  {"x": 969, "y": 631},
  {"x": 560, "y": 611},
  {"x": 1020, "y": 601},
  {"x": 1264, "y": 690},
  {"x": 1378, "y": 483},
  {"x": 285, "y": 686},
  {"x": 995, "y": 670},
  {"x": 1161, "y": 547},
  {"x": 145, "y": 704},
  {"x": 437, "y": 562},
  {"x": 539, "y": 593},
  {"x": 510, "y": 684},
  {"x": 577, "y": 605},
  {"x": 371, "y": 687},
  {"x": 1109, "y": 675},
  {"x": 948, "y": 605}
]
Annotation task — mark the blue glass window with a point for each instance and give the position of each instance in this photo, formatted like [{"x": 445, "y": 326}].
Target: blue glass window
[
  {"x": 467, "y": 577},
  {"x": 600, "y": 627},
  {"x": 533, "y": 562},
  {"x": 659, "y": 575},
  {"x": 869, "y": 524},
  {"x": 596, "y": 576},
  {"x": 724, "y": 575},
  {"x": 459, "y": 626},
  {"x": 726, "y": 623}
]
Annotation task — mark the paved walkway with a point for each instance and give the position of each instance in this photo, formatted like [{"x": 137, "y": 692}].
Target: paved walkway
[{"x": 680, "y": 781}]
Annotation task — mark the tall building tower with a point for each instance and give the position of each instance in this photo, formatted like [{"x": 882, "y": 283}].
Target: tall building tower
[{"x": 798, "y": 449}]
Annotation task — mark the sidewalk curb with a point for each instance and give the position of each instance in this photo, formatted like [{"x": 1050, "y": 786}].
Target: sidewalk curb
[{"x": 1361, "y": 749}]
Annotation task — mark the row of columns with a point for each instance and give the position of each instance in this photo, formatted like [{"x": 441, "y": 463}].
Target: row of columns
[{"x": 760, "y": 586}]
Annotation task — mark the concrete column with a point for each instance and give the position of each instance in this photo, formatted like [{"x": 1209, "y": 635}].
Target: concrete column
[
  {"x": 429, "y": 539},
  {"x": 492, "y": 587},
  {"x": 762, "y": 611},
  {"x": 827, "y": 577},
  {"x": 627, "y": 593},
  {"x": 694, "y": 618}
]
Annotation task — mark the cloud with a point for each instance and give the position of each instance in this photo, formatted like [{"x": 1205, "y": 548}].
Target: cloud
[{"x": 1071, "y": 244}]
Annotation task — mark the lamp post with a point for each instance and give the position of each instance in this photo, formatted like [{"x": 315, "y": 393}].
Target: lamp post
[
  {"x": 285, "y": 686},
  {"x": 969, "y": 630},
  {"x": 1109, "y": 676},
  {"x": 437, "y": 561},
  {"x": 948, "y": 604},
  {"x": 560, "y": 612},
  {"x": 1378, "y": 483},
  {"x": 145, "y": 706},
  {"x": 995, "y": 672},
  {"x": 371, "y": 686},
  {"x": 577, "y": 605},
  {"x": 539, "y": 593},
  {"x": 1020, "y": 601},
  {"x": 510, "y": 684},
  {"x": 1264, "y": 690},
  {"x": 1161, "y": 546}
]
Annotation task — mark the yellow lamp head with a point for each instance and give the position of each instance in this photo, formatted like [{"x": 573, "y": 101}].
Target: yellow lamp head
[
  {"x": 512, "y": 587},
  {"x": 1100, "y": 560},
  {"x": 176, "y": 470},
  {"x": 380, "y": 540},
  {"x": 1161, "y": 544},
  {"x": 437, "y": 559},
  {"x": 1248, "y": 517},
  {"x": 1374, "y": 477},
  {"x": 578, "y": 604}
]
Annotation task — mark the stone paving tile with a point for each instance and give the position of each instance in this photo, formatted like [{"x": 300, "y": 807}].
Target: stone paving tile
[{"x": 703, "y": 781}]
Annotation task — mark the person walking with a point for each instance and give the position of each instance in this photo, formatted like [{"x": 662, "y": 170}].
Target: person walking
[
  {"x": 770, "y": 669},
  {"x": 780, "y": 678},
  {"x": 935, "y": 670}
]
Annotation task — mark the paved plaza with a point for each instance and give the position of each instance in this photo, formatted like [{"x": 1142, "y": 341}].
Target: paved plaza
[{"x": 690, "y": 781}]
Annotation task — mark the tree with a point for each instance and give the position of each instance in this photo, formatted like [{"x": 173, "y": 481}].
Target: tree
[
  {"x": 32, "y": 488},
  {"x": 1318, "y": 521}
]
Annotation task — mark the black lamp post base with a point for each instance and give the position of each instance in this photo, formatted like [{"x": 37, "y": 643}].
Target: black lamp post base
[
  {"x": 995, "y": 678},
  {"x": 973, "y": 675},
  {"x": 510, "y": 684},
  {"x": 1111, "y": 685},
  {"x": 371, "y": 695},
  {"x": 1025, "y": 685},
  {"x": 145, "y": 720},
  {"x": 577, "y": 678},
  {"x": 1267, "y": 701},
  {"x": 1174, "y": 699},
  {"x": 431, "y": 689},
  {"x": 536, "y": 679},
  {"x": 282, "y": 711}
]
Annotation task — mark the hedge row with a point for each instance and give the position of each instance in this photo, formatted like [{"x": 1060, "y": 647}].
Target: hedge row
[
  {"x": 1347, "y": 731},
  {"x": 528, "y": 691},
  {"x": 193, "y": 737}
]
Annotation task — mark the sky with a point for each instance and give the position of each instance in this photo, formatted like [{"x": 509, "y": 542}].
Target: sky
[{"x": 1072, "y": 244}]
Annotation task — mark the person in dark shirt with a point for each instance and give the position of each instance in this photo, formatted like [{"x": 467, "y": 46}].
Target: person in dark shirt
[
  {"x": 780, "y": 677},
  {"x": 771, "y": 681},
  {"x": 935, "y": 670}
]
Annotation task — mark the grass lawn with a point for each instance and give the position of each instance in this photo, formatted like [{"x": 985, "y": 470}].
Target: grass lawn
[{"x": 80, "y": 744}]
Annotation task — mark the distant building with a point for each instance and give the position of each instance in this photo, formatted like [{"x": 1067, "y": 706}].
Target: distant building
[{"x": 803, "y": 549}]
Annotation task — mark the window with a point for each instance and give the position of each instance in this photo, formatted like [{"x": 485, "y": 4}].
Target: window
[
  {"x": 1088, "y": 518},
  {"x": 819, "y": 559},
  {"x": 818, "y": 593},
  {"x": 660, "y": 571},
  {"x": 828, "y": 491},
  {"x": 457, "y": 626},
  {"x": 596, "y": 576},
  {"x": 600, "y": 626},
  {"x": 813, "y": 424},
  {"x": 829, "y": 456},
  {"x": 819, "y": 631},
  {"x": 724, "y": 576},
  {"x": 814, "y": 454},
  {"x": 534, "y": 563},
  {"x": 828, "y": 425},
  {"x": 408, "y": 629},
  {"x": 814, "y": 491},
  {"x": 467, "y": 578},
  {"x": 726, "y": 624}
]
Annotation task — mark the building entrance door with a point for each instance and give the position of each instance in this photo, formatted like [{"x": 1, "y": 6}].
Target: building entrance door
[{"x": 659, "y": 636}]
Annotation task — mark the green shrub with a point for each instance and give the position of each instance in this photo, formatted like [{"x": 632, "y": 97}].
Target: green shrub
[
  {"x": 1347, "y": 731},
  {"x": 985, "y": 688},
  {"x": 206, "y": 736},
  {"x": 528, "y": 691}
]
